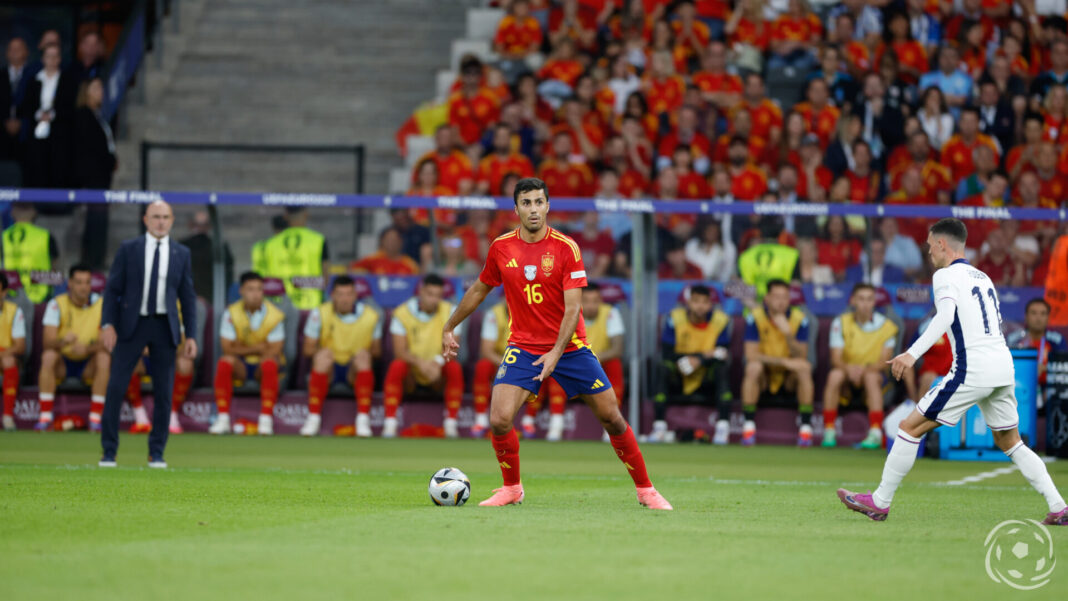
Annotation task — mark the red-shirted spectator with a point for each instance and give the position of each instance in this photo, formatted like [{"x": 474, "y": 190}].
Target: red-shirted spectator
[
  {"x": 663, "y": 42},
  {"x": 740, "y": 125},
  {"x": 692, "y": 185},
  {"x": 562, "y": 64},
  {"x": 747, "y": 27},
  {"x": 865, "y": 184},
  {"x": 936, "y": 177},
  {"x": 427, "y": 180},
  {"x": 596, "y": 244},
  {"x": 1055, "y": 114},
  {"x": 455, "y": 173},
  {"x": 586, "y": 138},
  {"x": 631, "y": 181},
  {"x": 718, "y": 87},
  {"x": 813, "y": 178},
  {"x": 518, "y": 33},
  {"x": 503, "y": 160},
  {"x": 971, "y": 10},
  {"x": 691, "y": 36},
  {"x": 574, "y": 22},
  {"x": 1054, "y": 184},
  {"x": 639, "y": 146},
  {"x": 789, "y": 148},
  {"x": 973, "y": 50},
  {"x": 1021, "y": 158},
  {"x": 564, "y": 177},
  {"x": 473, "y": 108},
  {"x": 748, "y": 181},
  {"x": 857, "y": 55},
  {"x": 819, "y": 114},
  {"x": 663, "y": 89},
  {"x": 764, "y": 113},
  {"x": 389, "y": 259},
  {"x": 836, "y": 249},
  {"x": 675, "y": 266},
  {"x": 993, "y": 195},
  {"x": 911, "y": 191},
  {"x": 957, "y": 153},
  {"x": 536, "y": 112},
  {"x": 686, "y": 134},
  {"x": 794, "y": 38},
  {"x": 1029, "y": 193},
  {"x": 998, "y": 263},
  {"x": 911, "y": 55}
]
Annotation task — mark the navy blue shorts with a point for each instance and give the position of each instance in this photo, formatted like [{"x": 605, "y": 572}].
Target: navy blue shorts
[
  {"x": 341, "y": 374},
  {"x": 75, "y": 367},
  {"x": 577, "y": 372}
]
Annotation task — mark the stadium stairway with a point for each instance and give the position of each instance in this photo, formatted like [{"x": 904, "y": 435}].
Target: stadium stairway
[{"x": 278, "y": 72}]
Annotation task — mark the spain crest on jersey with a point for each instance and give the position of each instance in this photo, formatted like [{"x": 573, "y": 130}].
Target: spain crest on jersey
[{"x": 547, "y": 263}]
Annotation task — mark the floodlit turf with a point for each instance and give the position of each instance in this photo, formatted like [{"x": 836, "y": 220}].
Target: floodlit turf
[{"x": 300, "y": 519}]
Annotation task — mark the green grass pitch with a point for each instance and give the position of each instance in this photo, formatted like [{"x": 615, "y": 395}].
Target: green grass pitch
[{"x": 326, "y": 518}]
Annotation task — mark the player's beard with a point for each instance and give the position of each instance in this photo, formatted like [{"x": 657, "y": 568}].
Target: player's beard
[{"x": 533, "y": 229}]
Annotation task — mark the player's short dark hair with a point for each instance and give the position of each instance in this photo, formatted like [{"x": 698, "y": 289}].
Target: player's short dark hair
[
  {"x": 295, "y": 209},
  {"x": 529, "y": 184},
  {"x": 700, "y": 289},
  {"x": 951, "y": 227},
  {"x": 1037, "y": 301},
  {"x": 592, "y": 287},
  {"x": 861, "y": 286},
  {"x": 343, "y": 280},
  {"x": 776, "y": 283},
  {"x": 433, "y": 279},
  {"x": 75, "y": 269},
  {"x": 736, "y": 140},
  {"x": 250, "y": 276}
]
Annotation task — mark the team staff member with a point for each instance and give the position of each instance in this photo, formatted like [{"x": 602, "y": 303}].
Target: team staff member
[
  {"x": 251, "y": 335},
  {"x": 297, "y": 252},
  {"x": 776, "y": 351},
  {"x": 342, "y": 336},
  {"x": 148, "y": 277},
  {"x": 1035, "y": 335},
  {"x": 417, "y": 355},
  {"x": 862, "y": 342},
  {"x": 72, "y": 346},
  {"x": 12, "y": 349},
  {"x": 694, "y": 348},
  {"x": 29, "y": 248}
]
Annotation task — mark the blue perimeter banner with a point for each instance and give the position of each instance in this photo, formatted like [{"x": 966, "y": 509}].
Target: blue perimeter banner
[{"x": 369, "y": 201}]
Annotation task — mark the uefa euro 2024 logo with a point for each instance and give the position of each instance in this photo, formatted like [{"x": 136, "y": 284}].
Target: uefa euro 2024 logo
[{"x": 1019, "y": 553}]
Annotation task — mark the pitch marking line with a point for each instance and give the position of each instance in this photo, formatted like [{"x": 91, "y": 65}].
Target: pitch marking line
[{"x": 1001, "y": 471}]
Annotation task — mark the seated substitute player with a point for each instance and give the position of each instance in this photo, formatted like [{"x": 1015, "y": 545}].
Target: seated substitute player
[
  {"x": 71, "y": 345},
  {"x": 543, "y": 276},
  {"x": 1036, "y": 336},
  {"x": 968, "y": 307},
  {"x": 251, "y": 335},
  {"x": 414, "y": 328},
  {"x": 776, "y": 358},
  {"x": 12, "y": 349},
  {"x": 604, "y": 333},
  {"x": 342, "y": 336},
  {"x": 862, "y": 342},
  {"x": 693, "y": 347},
  {"x": 183, "y": 380}
]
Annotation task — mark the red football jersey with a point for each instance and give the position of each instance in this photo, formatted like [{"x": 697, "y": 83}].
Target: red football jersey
[{"x": 535, "y": 277}]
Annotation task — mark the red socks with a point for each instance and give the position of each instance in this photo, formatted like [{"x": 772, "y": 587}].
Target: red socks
[
  {"x": 96, "y": 407},
  {"x": 875, "y": 419},
  {"x": 182, "y": 382},
  {"x": 224, "y": 386},
  {"x": 364, "y": 388},
  {"x": 454, "y": 387},
  {"x": 133, "y": 391},
  {"x": 626, "y": 447},
  {"x": 482, "y": 387},
  {"x": 507, "y": 448},
  {"x": 557, "y": 398},
  {"x": 393, "y": 389},
  {"x": 613, "y": 368},
  {"x": 318, "y": 385},
  {"x": 829, "y": 417},
  {"x": 268, "y": 386},
  {"x": 11, "y": 388}
]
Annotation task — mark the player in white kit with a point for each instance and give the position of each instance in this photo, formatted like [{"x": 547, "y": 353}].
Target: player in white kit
[{"x": 982, "y": 374}]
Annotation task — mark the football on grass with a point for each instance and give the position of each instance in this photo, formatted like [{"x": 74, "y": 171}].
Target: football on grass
[{"x": 449, "y": 486}]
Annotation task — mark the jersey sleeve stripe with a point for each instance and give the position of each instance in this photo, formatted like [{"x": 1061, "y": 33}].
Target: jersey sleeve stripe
[
  {"x": 505, "y": 236},
  {"x": 570, "y": 243}
]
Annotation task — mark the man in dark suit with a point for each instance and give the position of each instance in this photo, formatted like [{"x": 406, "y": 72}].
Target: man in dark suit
[
  {"x": 149, "y": 277},
  {"x": 996, "y": 118},
  {"x": 12, "y": 89},
  {"x": 874, "y": 270}
]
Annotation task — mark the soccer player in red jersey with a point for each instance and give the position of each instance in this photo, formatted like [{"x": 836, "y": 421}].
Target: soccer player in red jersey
[{"x": 543, "y": 276}]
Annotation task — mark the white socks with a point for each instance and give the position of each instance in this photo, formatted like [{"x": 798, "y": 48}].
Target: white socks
[
  {"x": 1032, "y": 468},
  {"x": 898, "y": 463}
]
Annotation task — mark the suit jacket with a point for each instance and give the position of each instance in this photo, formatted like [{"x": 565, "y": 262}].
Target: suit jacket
[
  {"x": 1002, "y": 126},
  {"x": 122, "y": 296},
  {"x": 891, "y": 274},
  {"x": 93, "y": 161}
]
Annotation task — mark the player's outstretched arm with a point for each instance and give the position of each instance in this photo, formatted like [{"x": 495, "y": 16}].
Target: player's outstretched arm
[{"x": 471, "y": 300}]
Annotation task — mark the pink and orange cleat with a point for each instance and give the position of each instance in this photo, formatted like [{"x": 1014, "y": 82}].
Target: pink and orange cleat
[
  {"x": 505, "y": 495},
  {"x": 652, "y": 499},
  {"x": 863, "y": 503},
  {"x": 1057, "y": 519}
]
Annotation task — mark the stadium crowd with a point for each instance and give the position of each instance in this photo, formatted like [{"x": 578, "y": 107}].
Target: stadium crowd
[{"x": 894, "y": 101}]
